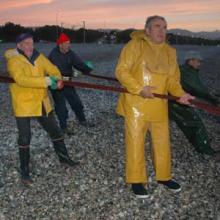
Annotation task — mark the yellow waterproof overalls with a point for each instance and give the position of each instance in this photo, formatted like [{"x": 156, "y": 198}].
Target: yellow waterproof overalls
[{"x": 143, "y": 63}]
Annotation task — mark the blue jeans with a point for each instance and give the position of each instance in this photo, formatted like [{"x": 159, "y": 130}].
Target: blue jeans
[{"x": 60, "y": 97}]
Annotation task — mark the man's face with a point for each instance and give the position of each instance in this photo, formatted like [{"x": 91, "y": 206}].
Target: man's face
[
  {"x": 157, "y": 31},
  {"x": 195, "y": 63},
  {"x": 65, "y": 47},
  {"x": 27, "y": 46}
]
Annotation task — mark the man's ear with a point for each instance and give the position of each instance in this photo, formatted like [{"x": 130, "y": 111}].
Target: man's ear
[
  {"x": 18, "y": 45},
  {"x": 147, "y": 31}
]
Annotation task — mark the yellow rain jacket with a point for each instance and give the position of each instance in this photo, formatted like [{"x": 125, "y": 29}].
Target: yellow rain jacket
[
  {"x": 29, "y": 92},
  {"x": 143, "y": 63},
  {"x": 137, "y": 67}
]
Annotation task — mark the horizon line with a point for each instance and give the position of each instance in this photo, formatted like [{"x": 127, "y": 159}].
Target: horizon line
[{"x": 120, "y": 29}]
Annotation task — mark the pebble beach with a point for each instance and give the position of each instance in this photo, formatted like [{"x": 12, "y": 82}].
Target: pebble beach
[{"x": 96, "y": 189}]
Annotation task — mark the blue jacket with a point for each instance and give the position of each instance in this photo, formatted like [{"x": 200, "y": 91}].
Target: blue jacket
[{"x": 66, "y": 62}]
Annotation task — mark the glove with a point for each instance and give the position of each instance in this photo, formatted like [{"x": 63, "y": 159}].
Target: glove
[
  {"x": 89, "y": 64},
  {"x": 53, "y": 82},
  {"x": 76, "y": 73}
]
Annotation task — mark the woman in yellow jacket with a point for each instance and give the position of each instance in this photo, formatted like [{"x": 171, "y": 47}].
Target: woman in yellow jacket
[
  {"x": 33, "y": 73},
  {"x": 148, "y": 65}
]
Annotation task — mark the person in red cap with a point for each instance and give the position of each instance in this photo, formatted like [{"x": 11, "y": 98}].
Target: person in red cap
[
  {"x": 66, "y": 60},
  {"x": 62, "y": 38}
]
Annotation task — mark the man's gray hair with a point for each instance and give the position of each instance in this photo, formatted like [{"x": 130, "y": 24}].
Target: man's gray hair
[{"x": 152, "y": 18}]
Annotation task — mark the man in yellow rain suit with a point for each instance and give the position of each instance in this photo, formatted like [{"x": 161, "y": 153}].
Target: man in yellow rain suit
[
  {"x": 148, "y": 65},
  {"x": 33, "y": 73}
]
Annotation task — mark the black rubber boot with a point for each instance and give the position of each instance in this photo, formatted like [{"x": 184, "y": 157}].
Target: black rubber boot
[
  {"x": 61, "y": 151},
  {"x": 24, "y": 154}
]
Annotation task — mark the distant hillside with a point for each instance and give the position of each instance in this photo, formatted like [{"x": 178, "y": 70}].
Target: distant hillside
[
  {"x": 49, "y": 33},
  {"x": 213, "y": 35}
]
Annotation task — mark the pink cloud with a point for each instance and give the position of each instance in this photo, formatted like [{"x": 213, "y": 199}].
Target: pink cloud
[
  {"x": 9, "y": 4},
  {"x": 112, "y": 15},
  {"x": 135, "y": 16}
]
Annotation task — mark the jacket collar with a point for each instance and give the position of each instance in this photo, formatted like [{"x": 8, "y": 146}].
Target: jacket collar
[
  {"x": 32, "y": 59},
  {"x": 191, "y": 68}
]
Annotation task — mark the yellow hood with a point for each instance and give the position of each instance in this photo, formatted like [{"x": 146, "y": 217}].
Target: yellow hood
[
  {"x": 140, "y": 34},
  {"x": 11, "y": 53}
]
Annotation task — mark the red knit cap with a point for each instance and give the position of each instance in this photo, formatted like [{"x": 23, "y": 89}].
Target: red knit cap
[{"x": 62, "y": 38}]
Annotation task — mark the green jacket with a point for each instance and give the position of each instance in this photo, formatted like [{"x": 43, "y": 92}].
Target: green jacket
[
  {"x": 186, "y": 117},
  {"x": 191, "y": 83}
]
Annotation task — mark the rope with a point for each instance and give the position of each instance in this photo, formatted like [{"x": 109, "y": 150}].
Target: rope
[
  {"x": 201, "y": 105},
  {"x": 101, "y": 77}
]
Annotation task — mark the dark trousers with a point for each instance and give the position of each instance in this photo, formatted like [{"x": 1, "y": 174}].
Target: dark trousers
[
  {"x": 48, "y": 123},
  {"x": 60, "y": 97},
  {"x": 192, "y": 126},
  {"x": 24, "y": 137}
]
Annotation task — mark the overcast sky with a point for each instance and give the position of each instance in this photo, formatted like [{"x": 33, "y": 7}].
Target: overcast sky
[{"x": 194, "y": 15}]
